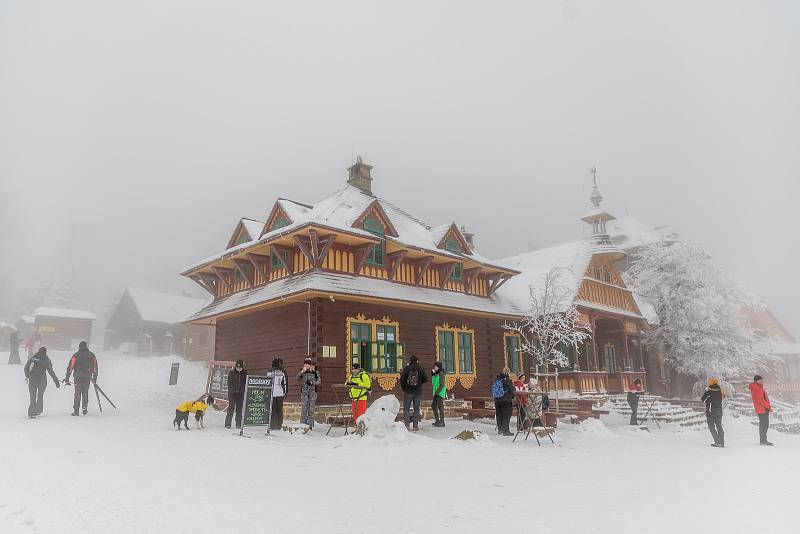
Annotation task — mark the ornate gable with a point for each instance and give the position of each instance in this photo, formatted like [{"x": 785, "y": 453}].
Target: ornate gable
[
  {"x": 277, "y": 219},
  {"x": 603, "y": 285},
  {"x": 454, "y": 234},
  {"x": 375, "y": 211},
  {"x": 240, "y": 235}
]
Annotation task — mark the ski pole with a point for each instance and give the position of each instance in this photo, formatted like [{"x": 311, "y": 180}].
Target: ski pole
[
  {"x": 103, "y": 393},
  {"x": 98, "y": 399}
]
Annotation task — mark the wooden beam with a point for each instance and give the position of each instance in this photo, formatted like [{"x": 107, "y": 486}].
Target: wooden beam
[
  {"x": 360, "y": 253},
  {"x": 257, "y": 260},
  {"x": 222, "y": 275},
  {"x": 445, "y": 271},
  {"x": 395, "y": 260},
  {"x": 284, "y": 252},
  {"x": 470, "y": 275},
  {"x": 211, "y": 280},
  {"x": 304, "y": 242},
  {"x": 422, "y": 265},
  {"x": 326, "y": 241},
  {"x": 199, "y": 281},
  {"x": 241, "y": 266},
  {"x": 314, "y": 238},
  {"x": 496, "y": 280}
]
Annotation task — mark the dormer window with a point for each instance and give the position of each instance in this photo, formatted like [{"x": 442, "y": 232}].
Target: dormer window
[
  {"x": 279, "y": 222},
  {"x": 375, "y": 256},
  {"x": 452, "y": 245},
  {"x": 243, "y": 238}
]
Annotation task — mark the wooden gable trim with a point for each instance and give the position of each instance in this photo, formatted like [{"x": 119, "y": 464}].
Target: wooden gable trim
[
  {"x": 377, "y": 211},
  {"x": 304, "y": 243},
  {"x": 261, "y": 264},
  {"x": 313, "y": 247},
  {"x": 202, "y": 283},
  {"x": 612, "y": 294},
  {"x": 395, "y": 260},
  {"x": 454, "y": 233},
  {"x": 470, "y": 276},
  {"x": 284, "y": 252},
  {"x": 445, "y": 271},
  {"x": 222, "y": 274},
  {"x": 326, "y": 243},
  {"x": 210, "y": 280},
  {"x": 276, "y": 212},
  {"x": 242, "y": 267},
  {"x": 360, "y": 253},
  {"x": 422, "y": 265},
  {"x": 496, "y": 280},
  {"x": 237, "y": 232}
]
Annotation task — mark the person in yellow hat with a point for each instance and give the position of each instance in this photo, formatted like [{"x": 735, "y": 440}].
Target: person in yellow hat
[{"x": 713, "y": 399}]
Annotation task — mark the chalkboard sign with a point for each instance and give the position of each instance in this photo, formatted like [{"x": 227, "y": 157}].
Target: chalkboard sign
[
  {"x": 257, "y": 401},
  {"x": 173, "y": 373},
  {"x": 217, "y": 385}
]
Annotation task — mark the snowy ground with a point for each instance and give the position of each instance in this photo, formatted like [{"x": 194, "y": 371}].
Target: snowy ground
[{"x": 127, "y": 471}]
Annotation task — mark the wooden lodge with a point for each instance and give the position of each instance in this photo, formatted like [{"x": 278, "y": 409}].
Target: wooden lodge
[
  {"x": 149, "y": 323},
  {"x": 63, "y": 329},
  {"x": 355, "y": 278}
]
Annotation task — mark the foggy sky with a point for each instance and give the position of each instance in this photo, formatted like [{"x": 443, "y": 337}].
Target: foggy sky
[{"x": 134, "y": 135}]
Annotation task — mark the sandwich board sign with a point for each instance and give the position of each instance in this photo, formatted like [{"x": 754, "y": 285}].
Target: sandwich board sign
[
  {"x": 173, "y": 373},
  {"x": 217, "y": 384},
  {"x": 257, "y": 406}
]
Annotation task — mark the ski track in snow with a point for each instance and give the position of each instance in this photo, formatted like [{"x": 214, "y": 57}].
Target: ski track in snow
[{"x": 127, "y": 471}]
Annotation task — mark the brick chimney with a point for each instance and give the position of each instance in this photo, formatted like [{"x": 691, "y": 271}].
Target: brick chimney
[
  {"x": 359, "y": 176},
  {"x": 468, "y": 237}
]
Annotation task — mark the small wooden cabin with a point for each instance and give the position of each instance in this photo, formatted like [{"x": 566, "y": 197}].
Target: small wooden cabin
[{"x": 61, "y": 328}]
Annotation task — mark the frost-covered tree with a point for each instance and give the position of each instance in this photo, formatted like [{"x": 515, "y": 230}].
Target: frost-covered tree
[
  {"x": 551, "y": 322},
  {"x": 59, "y": 293},
  {"x": 700, "y": 329}
]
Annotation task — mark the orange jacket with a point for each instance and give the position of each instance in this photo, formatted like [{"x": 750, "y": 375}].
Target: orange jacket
[{"x": 760, "y": 398}]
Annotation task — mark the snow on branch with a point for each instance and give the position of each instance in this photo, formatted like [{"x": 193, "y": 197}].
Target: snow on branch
[
  {"x": 700, "y": 327},
  {"x": 551, "y": 322}
]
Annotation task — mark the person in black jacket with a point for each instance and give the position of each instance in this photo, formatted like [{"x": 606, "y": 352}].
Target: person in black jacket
[
  {"x": 411, "y": 380},
  {"x": 36, "y": 377},
  {"x": 13, "y": 346},
  {"x": 237, "y": 380},
  {"x": 503, "y": 404},
  {"x": 713, "y": 399},
  {"x": 83, "y": 365}
]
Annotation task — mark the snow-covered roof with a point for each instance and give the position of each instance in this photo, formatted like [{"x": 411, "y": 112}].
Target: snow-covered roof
[
  {"x": 157, "y": 307},
  {"x": 334, "y": 284},
  {"x": 29, "y": 319},
  {"x": 253, "y": 227},
  {"x": 629, "y": 233},
  {"x": 340, "y": 211},
  {"x": 64, "y": 313},
  {"x": 7, "y": 325}
]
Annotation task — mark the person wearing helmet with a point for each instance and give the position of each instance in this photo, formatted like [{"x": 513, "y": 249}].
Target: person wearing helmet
[
  {"x": 237, "y": 380},
  {"x": 713, "y": 399}
]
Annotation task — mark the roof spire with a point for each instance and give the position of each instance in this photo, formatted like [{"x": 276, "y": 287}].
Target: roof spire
[{"x": 598, "y": 216}]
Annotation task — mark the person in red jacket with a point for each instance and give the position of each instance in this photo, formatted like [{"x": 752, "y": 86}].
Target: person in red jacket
[{"x": 762, "y": 406}]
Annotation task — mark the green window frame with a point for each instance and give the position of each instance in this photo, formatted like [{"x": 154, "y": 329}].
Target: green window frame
[
  {"x": 237, "y": 276},
  {"x": 385, "y": 358},
  {"x": 275, "y": 262},
  {"x": 465, "y": 363},
  {"x": 242, "y": 239},
  {"x": 611, "y": 359},
  {"x": 513, "y": 354},
  {"x": 375, "y": 256},
  {"x": 453, "y": 246},
  {"x": 568, "y": 351},
  {"x": 280, "y": 222},
  {"x": 360, "y": 344},
  {"x": 447, "y": 351}
]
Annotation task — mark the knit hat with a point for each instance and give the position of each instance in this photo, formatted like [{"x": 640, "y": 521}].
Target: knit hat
[
  {"x": 308, "y": 360},
  {"x": 757, "y": 378},
  {"x": 713, "y": 381},
  {"x": 356, "y": 365}
]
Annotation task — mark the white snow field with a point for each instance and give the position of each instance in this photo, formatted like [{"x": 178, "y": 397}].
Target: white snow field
[{"x": 127, "y": 471}]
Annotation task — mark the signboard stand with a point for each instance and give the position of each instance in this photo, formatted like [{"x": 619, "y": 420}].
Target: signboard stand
[
  {"x": 257, "y": 405},
  {"x": 173, "y": 373},
  {"x": 217, "y": 384}
]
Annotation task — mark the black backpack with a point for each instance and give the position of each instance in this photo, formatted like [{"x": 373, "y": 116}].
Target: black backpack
[{"x": 412, "y": 380}]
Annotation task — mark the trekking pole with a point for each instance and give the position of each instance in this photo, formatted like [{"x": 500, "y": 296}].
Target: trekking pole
[
  {"x": 650, "y": 412},
  {"x": 103, "y": 393},
  {"x": 98, "y": 399}
]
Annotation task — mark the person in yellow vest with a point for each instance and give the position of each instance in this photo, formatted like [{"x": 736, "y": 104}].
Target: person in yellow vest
[{"x": 358, "y": 395}]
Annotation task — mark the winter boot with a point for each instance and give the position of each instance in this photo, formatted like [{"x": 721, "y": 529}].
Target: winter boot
[
  {"x": 74, "y": 413},
  {"x": 85, "y": 411}
]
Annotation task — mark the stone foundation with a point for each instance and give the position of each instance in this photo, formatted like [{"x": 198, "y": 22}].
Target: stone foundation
[{"x": 292, "y": 410}]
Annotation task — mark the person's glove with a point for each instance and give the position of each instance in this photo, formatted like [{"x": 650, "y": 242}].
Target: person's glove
[
  {"x": 94, "y": 380},
  {"x": 66, "y": 381},
  {"x": 58, "y": 384},
  {"x": 27, "y": 380}
]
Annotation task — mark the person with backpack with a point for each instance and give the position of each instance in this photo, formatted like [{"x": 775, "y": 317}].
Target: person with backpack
[
  {"x": 237, "y": 381},
  {"x": 36, "y": 371},
  {"x": 360, "y": 385},
  {"x": 83, "y": 366},
  {"x": 411, "y": 380},
  {"x": 503, "y": 394},
  {"x": 280, "y": 388},
  {"x": 762, "y": 407},
  {"x": 634, "y": 391},
  {"x": 309, "y": 385},
  {"x": 439, "y": 383},
  {"x": 713, "y": 399}
]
